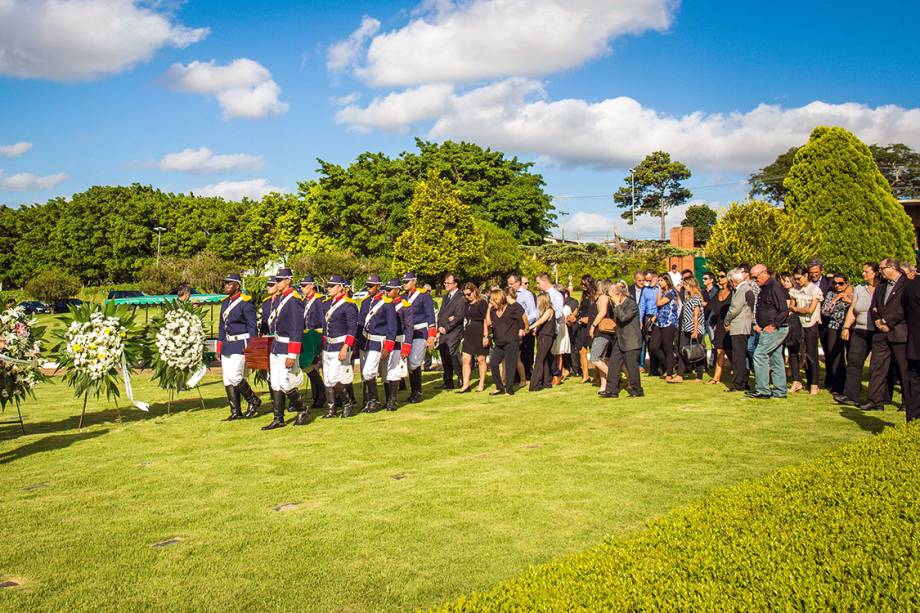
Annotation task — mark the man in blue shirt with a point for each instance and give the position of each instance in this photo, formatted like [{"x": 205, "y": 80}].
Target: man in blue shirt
[
  {"x": 525, "y": 299},
  {"x": 648, "y": 308}
]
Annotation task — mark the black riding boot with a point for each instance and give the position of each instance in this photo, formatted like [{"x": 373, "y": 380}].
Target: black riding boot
[
  {"x": 253, "y": 402},
  {"x": 277, "y": 411},
  {"x": 347, "y": 394},
  {"x": 373, "y": 405},
  {"x": 415, "y": 384},
  {"x": 330, "y": 403},
  {"x": 365, "y": 397},
  {"x": 391, "y": 388},
  {"x": 233, "y": 397},
  {"x": 296, "y": 401},
  {"x": 317, "y": 387}
]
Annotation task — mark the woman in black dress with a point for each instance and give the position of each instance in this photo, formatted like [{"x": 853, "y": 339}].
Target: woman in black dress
[
  {"x": 721, "y": 341},
  {"x": 545, "y": 331},
  {"x": 587, "y": 310},
  {"x": 473, "y": 333},
  {"x": 507, "y": 322}
]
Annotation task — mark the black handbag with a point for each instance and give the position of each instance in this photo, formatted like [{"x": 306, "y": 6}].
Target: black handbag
[{"x": 693, "y": 353}]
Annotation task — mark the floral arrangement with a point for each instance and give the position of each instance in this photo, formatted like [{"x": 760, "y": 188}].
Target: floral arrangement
[
  {"x": 98, "y": 344},
  {"x": 20, "y": 346},
  {"x": 179, "y": 339}
]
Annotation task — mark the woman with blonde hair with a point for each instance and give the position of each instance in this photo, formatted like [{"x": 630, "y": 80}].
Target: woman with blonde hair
[
  {"x": 507, "y": 323},
  {"x": 600, "y": 340},
  {"x": 545, "y": 331}
]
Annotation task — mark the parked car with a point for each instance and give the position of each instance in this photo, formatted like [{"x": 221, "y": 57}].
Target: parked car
[
  {"x": 33, "y": 307},
  {"x": 61, "y": 306},
  {"x": 124, "y": 293}
]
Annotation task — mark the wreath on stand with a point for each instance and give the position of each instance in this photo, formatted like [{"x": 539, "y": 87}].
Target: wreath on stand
[
  {"x": 179, "y": 338},
  {"x": 98, "y": 345},
  {"x": 20, "y": 363}
]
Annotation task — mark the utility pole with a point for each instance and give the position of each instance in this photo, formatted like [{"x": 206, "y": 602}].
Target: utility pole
[
  {"x": 632, "y": 193},
  {"x": 159, "y": 230},
  {"x": 562, "y": 225}
]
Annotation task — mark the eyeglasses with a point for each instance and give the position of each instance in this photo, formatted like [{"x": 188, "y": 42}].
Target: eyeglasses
[
  {"x": 840, "y": 283},
  {"x": 467, "y": 293},
  {"x": 721, "y": 276}
]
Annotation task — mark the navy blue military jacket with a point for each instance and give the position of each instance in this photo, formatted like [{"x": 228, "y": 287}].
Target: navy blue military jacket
[
  {"x": 378, "y": 323},
  {"x": 266, "y": 311},
  {"x": 424, "y": 323},
  {"x": 286, "y": 323},
  {"x": 340, "y": 323},
  {"x": 237, "y": 324},
  {"x": 313, "y": 312},
  {"x": 404, "y": 319}
]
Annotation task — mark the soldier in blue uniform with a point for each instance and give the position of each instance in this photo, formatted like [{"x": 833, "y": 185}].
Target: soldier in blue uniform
[
  {"x": 424, "y": 331},
  {"x": 377, "y": 337},
  {"x": 397, "y": 364},
  {"x": 237, "y": 325},
  {"x": 340, "y": 329},
  {"x": 266, "y": 308},
  {"x": 313, "y": 320},
  {"x": 285, "y": 322}
]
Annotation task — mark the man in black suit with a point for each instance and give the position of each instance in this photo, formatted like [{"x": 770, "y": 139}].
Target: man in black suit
[
  {"x": 450, "y": 330},
  {"x": 890, "y": 341},
  {"x": 910, "y": 300},
  {"x": 625, "y": 350}
]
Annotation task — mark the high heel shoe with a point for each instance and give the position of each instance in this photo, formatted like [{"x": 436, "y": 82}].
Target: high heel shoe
[{"x": 465, "y": 390}]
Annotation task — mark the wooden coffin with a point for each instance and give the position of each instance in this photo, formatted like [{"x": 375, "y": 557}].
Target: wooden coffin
[{"x": 257, "y": 351}]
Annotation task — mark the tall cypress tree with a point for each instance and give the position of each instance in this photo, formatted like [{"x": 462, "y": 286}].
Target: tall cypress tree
[
  {"x": 836, "y": 190},
  {"x": 442, "y": 234}
]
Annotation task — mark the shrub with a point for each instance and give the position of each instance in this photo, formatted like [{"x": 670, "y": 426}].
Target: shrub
[
  {"x": 204, "y": 271},
  {"x": 754, "y": 231},
  {"x": 324, "y": 264},
  {"x": 837, "y": 534},
  {"x": 836, "y": 190},
  {"x": 52, "y": 285}
]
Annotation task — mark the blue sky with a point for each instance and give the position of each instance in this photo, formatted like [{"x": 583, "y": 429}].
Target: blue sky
[{"x": 245, "y": 96}]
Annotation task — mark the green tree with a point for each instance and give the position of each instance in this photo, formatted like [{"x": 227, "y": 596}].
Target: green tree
[
  {"x": 768, "y": 181},
  {"x": 501, "y": 254},
  {"x": 9, "y": 233},
  {"x": 441, "y": 235},
  {"x": 756, "y": 232},
  {"x": 702, "y": 218},
  {"x": 52, "y": 285},
  {"x": 898, "y": 163},
  {"x": 836, "y": 191},
  {"x": 901, "y": 167},
  {"x": 324, "y": 264},
  {"x": 656, "y": 186}
]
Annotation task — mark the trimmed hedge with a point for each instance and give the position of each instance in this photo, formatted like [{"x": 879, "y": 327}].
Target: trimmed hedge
[{"x": 838, "y": 533}]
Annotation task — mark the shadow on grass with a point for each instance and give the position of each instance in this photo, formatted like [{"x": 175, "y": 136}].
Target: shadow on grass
[
  {"x": 49, "y": 443},
  {"x": 866, "y": 421}
]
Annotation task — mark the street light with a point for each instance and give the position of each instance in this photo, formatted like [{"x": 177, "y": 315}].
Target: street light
[{"x": 159, "y": 230}]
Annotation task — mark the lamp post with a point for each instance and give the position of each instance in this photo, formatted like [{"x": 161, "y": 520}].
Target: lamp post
[{"x": 159, "y": 230}]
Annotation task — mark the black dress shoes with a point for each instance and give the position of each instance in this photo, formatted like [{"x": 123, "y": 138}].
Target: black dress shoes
[
  {"x": 757, "y": 396},
  {"x": 871, "y": 406},
  {"x": 606, "y": 394}
]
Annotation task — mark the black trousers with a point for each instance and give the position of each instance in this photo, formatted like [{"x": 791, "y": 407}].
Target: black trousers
[
  {"x": 507, "y": 354},
  {"x": 450, "y": 362},
  {"x": 809, "y": 352},
  {"x": 618, "y": 360},
  {"x": 835, "y": 361},
  {"x": 884, "y": 354},
  {"x": 662, "y": 347},
  {"x": 527, "y": 354},
  {"x": 542, "y": 376},
  {"x": 794, "y": 351},
  {"x": 860, "y": 345},
  {"x": 739, "y": 361},
  {"x": 913, "y": 396},
  {"x": 822, "y": 334},
  {"x": 683, "y": 367}
]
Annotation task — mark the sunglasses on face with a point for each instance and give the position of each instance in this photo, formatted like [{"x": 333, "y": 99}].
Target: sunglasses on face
[
  {"x": 840, "y": 283},
  {"x": 467, "y": 293}
]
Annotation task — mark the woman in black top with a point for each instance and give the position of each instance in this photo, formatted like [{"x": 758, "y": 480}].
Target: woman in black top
[
  {"x": 545, "y": 331},
  {"x": 473, "y": 333},
  {"x": 507, "y": 322},
  {"x": 718, "y": 307},
  {"x": 586, "y": 312}
]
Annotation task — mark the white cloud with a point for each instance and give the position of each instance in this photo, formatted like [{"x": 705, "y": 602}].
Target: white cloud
[
  {"x": 14, "y": 150},
  {"x": 237, "y": 190},
  {"x": 347, "y": 100},
  {"x": 344, "y": 53},
  {"x": 595, "y": 227},
  {"x": 480, "y": 39},
  {"x": 397, "y": 111},
  {"x": 203, "y": 161},
  {"x": 619, "y": 132},
  {"x": 24, "y": 181},
  {"x": 73, "y": 40},
  {"x": 244, "y": 88}
]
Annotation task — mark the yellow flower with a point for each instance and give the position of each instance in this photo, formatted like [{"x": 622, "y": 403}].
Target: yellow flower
[
  {"x": 124, "y": 334},
  {"x": 77, "y": 348}
]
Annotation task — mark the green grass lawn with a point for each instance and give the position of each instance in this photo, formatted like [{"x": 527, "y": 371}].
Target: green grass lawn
[{"x": 391, "y": 510}]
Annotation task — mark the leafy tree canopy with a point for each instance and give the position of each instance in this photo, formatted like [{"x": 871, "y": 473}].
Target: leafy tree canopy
[
  {"x": 702, "y": 219},
  {"x": 656, "y": 185}
]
